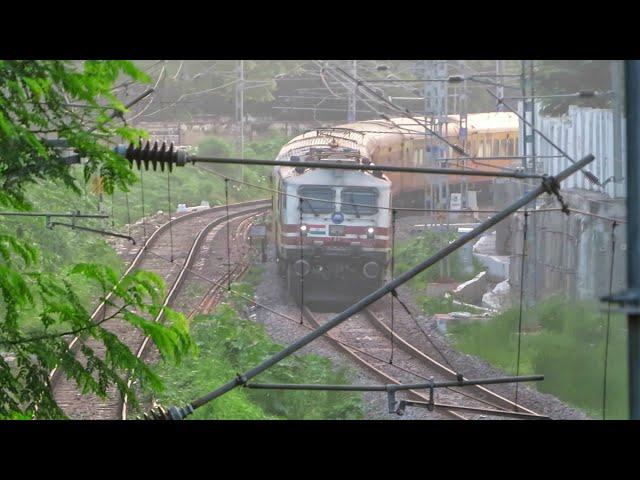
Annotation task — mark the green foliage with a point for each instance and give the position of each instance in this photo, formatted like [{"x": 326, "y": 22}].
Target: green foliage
[
  {"x": 136, "y": 297},
  {"x": 37, "y": 99},
  {"x": 43, "y": 295},
  {"x": 229, "y": 344},
  {"x": 565, "y": 343},
  {"x": 421, "y": 247}
]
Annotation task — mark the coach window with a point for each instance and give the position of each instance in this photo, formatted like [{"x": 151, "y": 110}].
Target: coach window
[
  {"x": 318, "y": 199},
  {"x": 364, "y": 200}
]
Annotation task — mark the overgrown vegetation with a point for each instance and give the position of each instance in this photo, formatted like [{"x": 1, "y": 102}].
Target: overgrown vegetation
[
  {"x": 39, "y": 298},
  {"x": 563, "y": 341},
  {"x": 419, "y": 248},
  {"x": 228, "y": 343}
]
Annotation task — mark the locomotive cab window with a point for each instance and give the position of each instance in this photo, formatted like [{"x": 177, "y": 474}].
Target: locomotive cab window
[
  {"x": 319, "y": 199},
  {"x": 366, "y": 200}
]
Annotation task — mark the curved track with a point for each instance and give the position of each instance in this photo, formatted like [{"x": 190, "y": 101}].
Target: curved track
[
  {"x": 154, "y": 255},
  {"x": 367, "y": 340}
]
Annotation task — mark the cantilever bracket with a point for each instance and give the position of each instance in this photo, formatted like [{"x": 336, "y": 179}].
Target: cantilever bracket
[
  {"x": 399, "y": 407},
  {"x": 87, "y": 229},
  {"x": 627, "y": 300}
]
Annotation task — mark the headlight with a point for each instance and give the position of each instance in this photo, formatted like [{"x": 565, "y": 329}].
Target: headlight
[
  {"x": 303, "y": 230},
  {"x": 371, "y": 232}
]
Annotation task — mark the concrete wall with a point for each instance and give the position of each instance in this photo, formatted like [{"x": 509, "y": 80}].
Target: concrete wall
[{"x": 573, "y": 253}]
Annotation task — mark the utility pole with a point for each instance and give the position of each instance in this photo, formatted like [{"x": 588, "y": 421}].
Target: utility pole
[
  {"x": 617, "y": 85},
  {"x": 462, "y": 136},
  {"x": 632, "y": 103},
  {"x": 240, "y": 109},
  {"x": 529, "y": 166},
  {"x": 352, "y": 100},
  {"x": 435, "y": 108},
  {"x": 499, "y": 85}
]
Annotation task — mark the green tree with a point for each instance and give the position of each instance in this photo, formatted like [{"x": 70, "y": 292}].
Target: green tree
[
  {"x": 72, "y": 101},
  {"x": 553, "y": 77}
]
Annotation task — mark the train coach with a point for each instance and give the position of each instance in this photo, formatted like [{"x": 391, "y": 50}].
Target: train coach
[
  {"x": 333, "y": 226},
  {"x": 402, "y": 142}
]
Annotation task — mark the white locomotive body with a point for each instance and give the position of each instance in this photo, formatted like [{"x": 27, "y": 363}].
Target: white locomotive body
[{"x": 332, "y": 226}]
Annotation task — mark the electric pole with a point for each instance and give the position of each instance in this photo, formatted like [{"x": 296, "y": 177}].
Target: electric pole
[
  {"x": 499, "y": 84},
  {"x": 529, "y": 166},
  {"x": 632, "y": 104}
]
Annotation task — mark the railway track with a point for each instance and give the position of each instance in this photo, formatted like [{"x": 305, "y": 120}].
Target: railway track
[
  {"x": 366, "y": 338},
  {"x": 155, "y": 255}
]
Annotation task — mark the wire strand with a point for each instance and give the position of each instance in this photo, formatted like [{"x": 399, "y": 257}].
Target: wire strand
[
  {"x": 401, "y": 209},
  {"x": 301, "y": 270},
  {"x": 226, "y": 200},
  {"x": 608, "y": 330},
  {"x": 144, "y": 222},
  {"x": 393, "y": 255},
  {"x": 170, "y": 206},
  {"x": 426, "y": 335},
  {"x": 522, "y": 268},
  {"x": 126, "y": 200}
]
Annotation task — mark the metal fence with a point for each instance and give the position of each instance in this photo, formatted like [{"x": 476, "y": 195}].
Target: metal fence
[{"x": 579, "y": 132}]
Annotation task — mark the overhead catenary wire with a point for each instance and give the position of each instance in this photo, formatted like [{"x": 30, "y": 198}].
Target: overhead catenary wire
[
  {"x": 355, "y": 348},
  {"x": 241, "y": 379},
  {"x": 126, "y": 200},
  {"x": 521, "y": 306},
  {"x": 226, "y": 203},
  {"x": 170, "y": 208},
  {"x": 155, "y": 86},
  {"x": 394, "y": 293},
  {"x": 587, "y": 173},
  {"x": 403, "y": 209},
  {"x": 144, "y": 221},
  {"x": 301, "y": 269},
  {"x": 393, "y": 263}
]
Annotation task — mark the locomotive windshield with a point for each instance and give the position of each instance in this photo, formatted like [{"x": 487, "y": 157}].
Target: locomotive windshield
[
  {"x": 359, "y": 201},
  {"x": 314, "y": 202}
]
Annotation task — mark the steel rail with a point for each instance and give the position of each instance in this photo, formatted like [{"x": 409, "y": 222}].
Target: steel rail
[
  {"x": 549, "y": 185},
  {"x": 73, "y": 344},
  {"x": 412, "y": 350},
  {"x": 369, "y": 366},
  {"x": 522, "y": 412},
  {"x": 212, "y": 296},
  {"x": 178, "y": 282}
]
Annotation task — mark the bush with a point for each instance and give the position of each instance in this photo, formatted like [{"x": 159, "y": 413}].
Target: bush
[
  {"x": 568, "y": 348},
  {"x": 229, "y": 344}
]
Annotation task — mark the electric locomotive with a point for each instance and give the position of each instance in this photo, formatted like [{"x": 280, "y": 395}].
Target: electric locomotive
[{"x": 332, "y": 226}]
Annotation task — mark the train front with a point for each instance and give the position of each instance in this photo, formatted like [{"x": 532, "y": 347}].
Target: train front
[{"x": 335, "y": 234}]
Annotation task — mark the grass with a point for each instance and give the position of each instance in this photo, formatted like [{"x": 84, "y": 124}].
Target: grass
[
  {"x": 228, "y": 343},
  {"x": 565, "y": 342}
]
